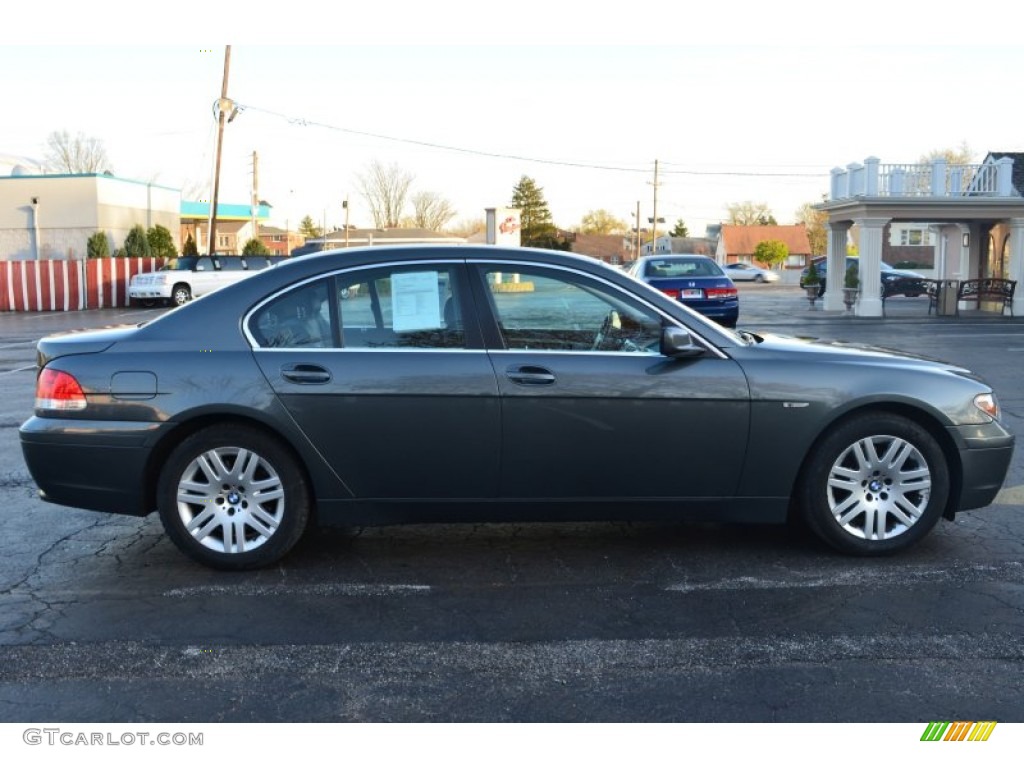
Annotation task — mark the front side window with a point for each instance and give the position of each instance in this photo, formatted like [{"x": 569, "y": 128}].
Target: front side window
[{"x": 538, "y": 308}]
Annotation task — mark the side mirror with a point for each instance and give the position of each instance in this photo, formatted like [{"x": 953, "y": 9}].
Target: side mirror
[{"x": 677, "y": 342}]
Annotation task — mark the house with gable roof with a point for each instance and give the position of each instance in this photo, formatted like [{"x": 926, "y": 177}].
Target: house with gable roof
[{"x": 738, "y": 243}]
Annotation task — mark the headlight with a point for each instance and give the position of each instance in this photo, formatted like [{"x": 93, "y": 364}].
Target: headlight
[{"x": 988, "y": 404}]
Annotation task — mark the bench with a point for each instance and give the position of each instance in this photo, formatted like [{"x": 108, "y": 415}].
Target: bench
[{"x": 987, "y": 289}]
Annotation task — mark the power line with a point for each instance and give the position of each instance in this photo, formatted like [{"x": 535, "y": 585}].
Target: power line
[{"x": 303, "y": 122}]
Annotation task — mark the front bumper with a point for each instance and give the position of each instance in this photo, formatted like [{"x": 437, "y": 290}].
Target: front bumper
[
  {"x": 149, "y": 292},
  {"x": 985, "y": 453}
]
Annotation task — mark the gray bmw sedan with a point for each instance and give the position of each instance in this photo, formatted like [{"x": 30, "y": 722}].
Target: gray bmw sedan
[{"x": 409, "y": 384}]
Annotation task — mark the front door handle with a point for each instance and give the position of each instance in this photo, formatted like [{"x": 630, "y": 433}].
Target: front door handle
[
  {"x": 530, "y": 375},
  {"x": 306, "y": 373}
]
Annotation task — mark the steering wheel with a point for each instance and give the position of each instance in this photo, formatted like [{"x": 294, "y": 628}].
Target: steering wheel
[{"x": 611, "y": 320}]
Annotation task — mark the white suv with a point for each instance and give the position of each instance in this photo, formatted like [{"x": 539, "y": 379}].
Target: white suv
[{"x": 185, "y": 277}]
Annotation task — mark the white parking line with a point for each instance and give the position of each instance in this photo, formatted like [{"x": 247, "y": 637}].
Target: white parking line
[
  {"x": 1013, "y": 495},
  {"x": 893, "y": 575},
  {"x": 19, "y": 370},
  {"x": 317, "y": 590}
]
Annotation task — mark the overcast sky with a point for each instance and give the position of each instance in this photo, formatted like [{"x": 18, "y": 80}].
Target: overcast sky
[{"x": 468, "y": 107}]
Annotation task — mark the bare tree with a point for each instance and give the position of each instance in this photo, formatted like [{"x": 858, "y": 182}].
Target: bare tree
[
  {"x": 431, "y": 211},
  {"x": 749, "y": 214},
  {"x": 601, "y": 222},
  {"x": 385, "y": 190},
  {"x": 75, "y": 154},
  {"x": 962, "y": 155},
  {"x": 817, "y": 227},
  {"x": 467, "y": 227}
]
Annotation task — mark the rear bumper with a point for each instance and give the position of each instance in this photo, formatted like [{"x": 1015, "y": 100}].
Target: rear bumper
[{"x": 99, "y": 466}]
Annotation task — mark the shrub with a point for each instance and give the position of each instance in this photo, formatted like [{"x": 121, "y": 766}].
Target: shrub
[
  {"x": 852, "y": 279},
  {"x": 97, "y": 247},
  {"x": 161, "y": 243},
  {"x": 813, "y": 278},
  {"x": 137, "y": 244}
]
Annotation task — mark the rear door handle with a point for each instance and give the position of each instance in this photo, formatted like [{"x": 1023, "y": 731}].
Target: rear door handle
[
  {"x": 306, "y": 373},
  {"x": 530, "y": 375}
]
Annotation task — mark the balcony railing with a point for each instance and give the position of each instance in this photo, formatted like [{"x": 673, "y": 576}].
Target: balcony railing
[{"x": 935, "y": 179}]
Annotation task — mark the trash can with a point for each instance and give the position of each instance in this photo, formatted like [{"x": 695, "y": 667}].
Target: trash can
[{"x": 946, "y": 304}]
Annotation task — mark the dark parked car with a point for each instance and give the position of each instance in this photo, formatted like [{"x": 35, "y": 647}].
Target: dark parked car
[
  {"x": 889, "y": 274},
  {"x": 460, "y": 383},
  {"x": 696, "y": 281}
]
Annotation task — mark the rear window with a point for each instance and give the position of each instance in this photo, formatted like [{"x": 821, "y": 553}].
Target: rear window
[{"x": 682, "y": 268}]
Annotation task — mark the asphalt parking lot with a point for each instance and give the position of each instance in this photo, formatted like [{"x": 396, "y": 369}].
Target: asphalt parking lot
[{"x": 102, "y": 619}]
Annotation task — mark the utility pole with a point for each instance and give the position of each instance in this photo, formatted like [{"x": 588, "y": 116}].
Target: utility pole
[
  {"x": 224, "y": 105},
  {"x": 636, "y": 248},
  {"x": 255, "y": 197},
  {"x": 654, "y": 221}
]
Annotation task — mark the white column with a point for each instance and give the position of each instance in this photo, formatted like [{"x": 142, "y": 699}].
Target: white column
[
  {"x": 1015, "y": 269},
  {"x": 870, "y": 302},
  {"x": 958, "y": 268},
  {"x": 836, "y": 272}
]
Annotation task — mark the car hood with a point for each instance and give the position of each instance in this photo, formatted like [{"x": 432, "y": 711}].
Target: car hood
[
  {"x": 832, "y": 350},
  {"x": 80, "y": 342}
]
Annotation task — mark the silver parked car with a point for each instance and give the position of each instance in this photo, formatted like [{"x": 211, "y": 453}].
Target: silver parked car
[
  {"x": 476, "y": 383},
  {"x": 742, "y": 272}
]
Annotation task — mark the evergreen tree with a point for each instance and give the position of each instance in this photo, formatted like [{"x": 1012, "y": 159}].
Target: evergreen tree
[
  {"x": 680, "y": 229},
  {"x": 189, "y": 247},
  {"x": 137, "y": 244},
  {"x": 308, "y": 229},
  {"x": 254, "y": 247},
  {"x": 537, "y": 228},
  {"x": 97, "y": 246},
  {"x": 160, "y": 242}
]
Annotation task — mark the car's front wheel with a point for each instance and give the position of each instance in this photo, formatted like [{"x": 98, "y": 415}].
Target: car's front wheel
[
  {"x": 232, "y": 497},
  {"x": 181, "y": 294},
  {"x": 876, "y": 484}
]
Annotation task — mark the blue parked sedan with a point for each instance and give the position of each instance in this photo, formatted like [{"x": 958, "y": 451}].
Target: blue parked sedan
[{"x": 696, "y": 281}]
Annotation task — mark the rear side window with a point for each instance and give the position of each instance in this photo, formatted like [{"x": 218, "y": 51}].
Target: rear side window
[
  {"x": 233, "y": 263},
  {"x": 404, "y": 307},
  {"x": 299, "y": 318}
]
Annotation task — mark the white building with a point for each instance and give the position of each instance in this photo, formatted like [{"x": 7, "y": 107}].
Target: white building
[{"x": 53, "y": 216}]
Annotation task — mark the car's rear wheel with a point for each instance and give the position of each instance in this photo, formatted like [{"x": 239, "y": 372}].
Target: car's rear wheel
[
  {"x": 232, "y": 497},
  {"x": 876, "y": 484},
  {"x": 181, "y": 294},
  {"x": 758, "y": 278}
]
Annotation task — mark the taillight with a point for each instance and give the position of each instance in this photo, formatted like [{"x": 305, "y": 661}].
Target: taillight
[
  {"x": 58, "y": 391},
  {"x": 670, "y": 292},
  {"x": 721, "y": 293}
]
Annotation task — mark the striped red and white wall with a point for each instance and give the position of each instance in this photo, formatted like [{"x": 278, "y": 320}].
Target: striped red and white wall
[{"x": 68, "y": 285}]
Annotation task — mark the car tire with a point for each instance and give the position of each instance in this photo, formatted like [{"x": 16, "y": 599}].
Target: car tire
[
  {"x": 181, "y": 294},
  {"x": 233, "y": 498},
  {"x": 874, "y": 463},
  {"x": 758, "y": 278}
]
